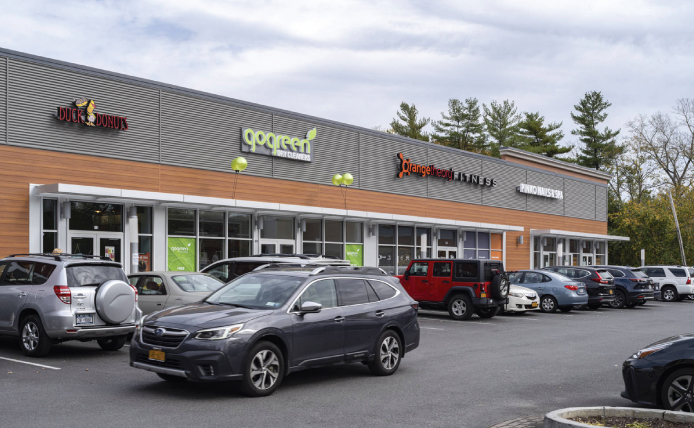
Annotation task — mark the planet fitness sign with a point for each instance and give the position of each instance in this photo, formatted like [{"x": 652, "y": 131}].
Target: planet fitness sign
[{"x": 283, "y": 146}]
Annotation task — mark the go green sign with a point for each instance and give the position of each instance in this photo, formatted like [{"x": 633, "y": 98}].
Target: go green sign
[
  {"x": 355, "y": 254},
  {"x": 181, "y": 254},
  {"x": 283, "y": 146}
]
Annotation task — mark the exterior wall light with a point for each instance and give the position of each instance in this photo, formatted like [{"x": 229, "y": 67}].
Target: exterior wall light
[
  {"x": 237, "y": 165},
  {"x": 343, "y": 180}
]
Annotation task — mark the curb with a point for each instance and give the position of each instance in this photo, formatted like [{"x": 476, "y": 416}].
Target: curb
[{"x": 559, "y": 418}]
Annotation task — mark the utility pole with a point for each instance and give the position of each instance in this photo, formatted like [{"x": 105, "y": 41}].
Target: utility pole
[{"x": 677, "y": 226}]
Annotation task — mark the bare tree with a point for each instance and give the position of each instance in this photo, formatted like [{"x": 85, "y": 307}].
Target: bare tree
[{"x": 634, "y": 173}]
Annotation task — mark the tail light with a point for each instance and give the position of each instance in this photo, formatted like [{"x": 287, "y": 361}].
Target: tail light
[
  {"x": 415, "y": 306},
  {"x": 599, "y": 279},
  {"x": 63, "y": 293},
  {"x": 689, "y": 281},
  {"x": 571, "y": 287},
  {"x": 135, "y": 292}
]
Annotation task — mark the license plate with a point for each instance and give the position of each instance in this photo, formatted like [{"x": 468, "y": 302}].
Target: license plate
[
  {"x": 534, "y": 305},
  {"x": 611, "y": 292},
  {"x": 156, "y": 355},
  {"x": 84, "y": 319}
]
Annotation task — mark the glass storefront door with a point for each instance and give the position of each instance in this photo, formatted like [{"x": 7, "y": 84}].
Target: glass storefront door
[
  {"x": 447, "y": 253},
  {"x": 107, "y": 245},
  {"x": 276, "y": 247}
]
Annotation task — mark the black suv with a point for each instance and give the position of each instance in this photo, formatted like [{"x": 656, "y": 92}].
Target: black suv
[
  {"x": 278, "y": 320},
  {"x": 599, "y": 283},
  {"x": 633, "y": 286}
]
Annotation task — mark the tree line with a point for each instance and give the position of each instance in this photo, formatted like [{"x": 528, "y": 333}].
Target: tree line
[{"x": 653, "y": 156}]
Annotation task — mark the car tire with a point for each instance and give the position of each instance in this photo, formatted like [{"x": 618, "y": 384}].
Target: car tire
[
  {"x": 548, "y": 304},
  {"x": 33, "y": 338},
  {"x": 263, "y": 370},
  {"x": 488, "y": 312},
  {"x": 388, "y": 354},
  {"x": 500, "y": 286},
  {"x": 669, "y": 395},
  {"x": 460, "y": 307},
  {"x": 566, "y": 309},
  {"x": 112, "y": 343},
  {"x": 669, "y": 294},
  {"x": 172, "y": 378},
  {"x": 619, "y": 300}
]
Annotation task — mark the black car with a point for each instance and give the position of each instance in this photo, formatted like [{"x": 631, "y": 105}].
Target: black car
[
  {"x": 599, "y": 283},
  {"x": 662, "y": 374},
  {"x": 278, "y": 320},
  {"x": 633, "y": 286}
]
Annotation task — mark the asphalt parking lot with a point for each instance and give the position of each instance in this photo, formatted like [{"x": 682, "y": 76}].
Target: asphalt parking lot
[{"x": 464, "y": 374}]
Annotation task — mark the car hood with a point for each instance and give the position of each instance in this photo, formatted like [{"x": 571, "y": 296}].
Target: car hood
[
  {"x": 204, "y": 315},
  {"x": 673, "y": 339}
]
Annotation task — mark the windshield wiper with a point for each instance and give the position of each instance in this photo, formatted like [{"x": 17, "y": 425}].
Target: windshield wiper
[{"x": 235, "y": 304}]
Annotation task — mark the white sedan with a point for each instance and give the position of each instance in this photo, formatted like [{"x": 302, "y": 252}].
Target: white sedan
[{"x": 521, "y": 299}]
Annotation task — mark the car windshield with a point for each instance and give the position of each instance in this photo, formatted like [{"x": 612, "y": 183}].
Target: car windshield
[
  {"x": 197, "y": 282},
  {"x": 639, "y": 274},
  {"x": 257, "y": 291}
]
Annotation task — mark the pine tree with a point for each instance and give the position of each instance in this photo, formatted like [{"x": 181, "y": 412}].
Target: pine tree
[
  {"x": 600, "y": 148},
  {"x": 461, "y": 128},
  {"x": 502, "y": 123},
  {"x": 535, "y": 137},
  {"x": 412, "y": 126}
]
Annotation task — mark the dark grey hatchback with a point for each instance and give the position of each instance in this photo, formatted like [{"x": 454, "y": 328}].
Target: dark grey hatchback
[{"x": 278, "y": 320}]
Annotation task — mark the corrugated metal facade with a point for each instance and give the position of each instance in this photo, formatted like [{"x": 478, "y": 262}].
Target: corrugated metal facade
[{"x": 171, "y": 126}]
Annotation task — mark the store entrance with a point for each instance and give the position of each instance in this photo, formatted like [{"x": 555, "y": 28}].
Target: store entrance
[
  {"x": 97, "y": 244},
  {"x": 277, "y": 246},
  {"x": 447, "y": 253}
]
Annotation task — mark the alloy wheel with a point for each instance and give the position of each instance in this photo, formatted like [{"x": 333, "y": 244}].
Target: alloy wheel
[
  {"x": 618, "y": 300},
  {"x": 390, "y": 353},
  {"x": 680, "y": 394},
  {"x": 547, "y": 304},
  {"x": 265, "y": 368},
  {"x": 459, "y": 307},
  {"x": 30, "y": 336},
  {"x": 668, "y": 294}
]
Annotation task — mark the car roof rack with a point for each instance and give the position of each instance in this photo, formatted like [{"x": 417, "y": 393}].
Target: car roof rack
[
  {"x": 349, "y": 270},
  {"x": 283, "y": 266},
  {"x": 298, "y": 256},
  {"x": 58, "y": 257}
]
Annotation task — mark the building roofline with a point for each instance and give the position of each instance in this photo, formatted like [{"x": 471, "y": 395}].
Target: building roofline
[
  {"x": 556, "y": 163},
  {"x": 138, "y": 81}
]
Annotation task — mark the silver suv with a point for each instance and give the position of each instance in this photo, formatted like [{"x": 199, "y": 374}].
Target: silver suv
[{"x": 46, "y": 299}]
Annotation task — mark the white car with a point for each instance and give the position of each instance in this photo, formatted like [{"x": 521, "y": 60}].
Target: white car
[
  {"x": 675, "y": 281},
  {"x": 521, "y": 299}
]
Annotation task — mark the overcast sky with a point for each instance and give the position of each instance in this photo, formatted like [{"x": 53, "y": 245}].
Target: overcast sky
[{"x": 355, "y": 61}]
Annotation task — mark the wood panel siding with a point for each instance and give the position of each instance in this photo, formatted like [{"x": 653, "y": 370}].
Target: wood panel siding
[{"x": 23, "y": 166}]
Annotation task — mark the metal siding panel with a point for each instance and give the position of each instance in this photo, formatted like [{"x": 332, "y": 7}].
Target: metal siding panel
[
  {"x": 600, "y": 203},
  {"x": 380, "y": 166},
  {"x": 335, "y": 151},
  {"x": 579, "y": 199},
  {"x": 3, "y": 100},
  {"x": 504, "y": 195},
  {"x": 541, "y": 204},
  {"x": 36, "y": 91},
  {"x": 454, "y": 190},
  {"x": 204, "y": 134}
]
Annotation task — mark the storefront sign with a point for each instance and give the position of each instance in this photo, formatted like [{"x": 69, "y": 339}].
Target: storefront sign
[
  {"x": 407, "y": 167},
  {"x": 110, "y": 252},
  {"x": 84, "y": 113},
  {"x": 283, "y": 146},
  {"x": 540, "y": 191},
  {"x": 181, "y": 253},
  {"x": 355, "y": 254}
]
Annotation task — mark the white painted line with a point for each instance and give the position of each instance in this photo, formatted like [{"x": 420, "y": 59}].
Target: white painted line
[
  {"x": 433, "y": 328},
  {"x": 526, "y": 319},
  {"x": 33, "y": 364}
]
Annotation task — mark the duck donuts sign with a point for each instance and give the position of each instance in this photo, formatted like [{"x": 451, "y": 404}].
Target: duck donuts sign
[
  {"x": 283, "y": 146},
  {"x": 84, "y": 114},
  {"x": 408, "y": 167}
]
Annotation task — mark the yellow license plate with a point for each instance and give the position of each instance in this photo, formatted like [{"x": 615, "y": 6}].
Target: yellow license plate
[
  {"x": 534, "y": 305},
  {"x": 610, "y": 291},
  {"x": 156, "y": 355}
]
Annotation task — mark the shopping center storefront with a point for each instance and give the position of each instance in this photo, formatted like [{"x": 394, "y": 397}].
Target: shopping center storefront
[{"x": 139, "y": 171}]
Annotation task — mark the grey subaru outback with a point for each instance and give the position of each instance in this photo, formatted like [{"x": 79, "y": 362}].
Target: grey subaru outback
[
  {"x": 47, "y": 299},
  {"x": 280, "y": 319}
]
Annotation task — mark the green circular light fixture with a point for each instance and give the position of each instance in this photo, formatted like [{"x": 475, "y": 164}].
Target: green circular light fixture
[
  {"x": 337, "y": 179},
  {"x": 347, "y": 179},
  {"x": 239, "y": 164}
]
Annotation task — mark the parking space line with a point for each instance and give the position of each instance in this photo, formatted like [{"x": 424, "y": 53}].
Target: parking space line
[
  {"x": 433, "y": 328},
  {"x": 33, "y": 364}
]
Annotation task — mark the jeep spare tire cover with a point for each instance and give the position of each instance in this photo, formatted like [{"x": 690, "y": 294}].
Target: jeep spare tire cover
[
  {"x": 115, "y": 301},
  {"x": 500, "y": 286}
]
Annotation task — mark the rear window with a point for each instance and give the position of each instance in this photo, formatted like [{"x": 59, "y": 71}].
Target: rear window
[
  {"x": 616, "y": 273},
  {"x": 691, "y": 272},
  {"x": 192, "y": 283},
  {"x": 637, "y": 273},
  {"x": 466, "y": 270},
  {"x": 93, "y": 274},
  {"x": 383, "y": 290},
  {"x": 605, "y": 274},
  {"x": 679, "y": 273}
]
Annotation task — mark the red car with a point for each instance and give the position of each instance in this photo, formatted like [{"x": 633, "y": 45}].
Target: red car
[{"x": 463, "y": 287}]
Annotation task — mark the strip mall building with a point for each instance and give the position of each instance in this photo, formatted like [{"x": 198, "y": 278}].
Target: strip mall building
[{"x": 140, "y": 171}]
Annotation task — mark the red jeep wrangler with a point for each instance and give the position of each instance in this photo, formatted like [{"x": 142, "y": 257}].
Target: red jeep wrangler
[{"x": 463, "y": 287}]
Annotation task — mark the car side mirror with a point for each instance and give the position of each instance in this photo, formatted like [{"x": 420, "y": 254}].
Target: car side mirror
[
  {"x": 407, "y": 274},
  {"x": 310, "y": 308}
]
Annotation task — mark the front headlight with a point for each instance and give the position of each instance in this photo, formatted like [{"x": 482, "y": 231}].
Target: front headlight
[
  {"x": 650, "y": 350},
  {"x": 516, "y": 295},
  {"x": 218, "y": 333}
]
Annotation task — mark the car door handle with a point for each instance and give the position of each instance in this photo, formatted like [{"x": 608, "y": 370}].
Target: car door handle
[
  {"x": 22, "y": 294},
  {"x": 339, "y": 319},
  {"x": 160, "y": 304},
  {"x": 380, "y": 313},
  {"x": 446, "y": 282}
]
